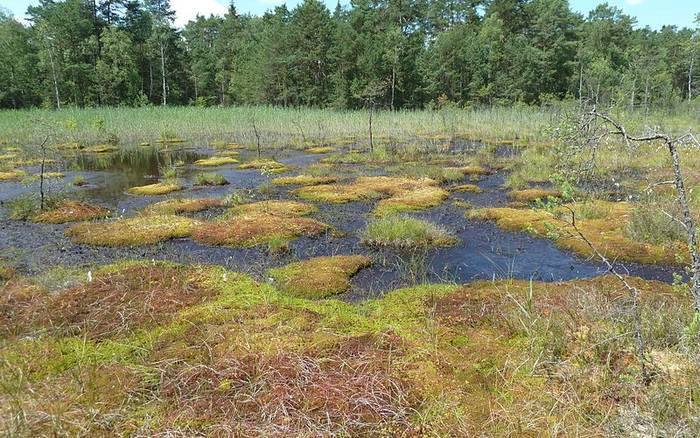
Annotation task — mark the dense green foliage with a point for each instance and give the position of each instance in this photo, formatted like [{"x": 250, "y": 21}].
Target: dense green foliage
[{"x": 373, "y": 52}]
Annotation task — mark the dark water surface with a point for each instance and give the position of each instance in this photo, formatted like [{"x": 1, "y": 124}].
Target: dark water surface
[{"x": 484, "y": 250}]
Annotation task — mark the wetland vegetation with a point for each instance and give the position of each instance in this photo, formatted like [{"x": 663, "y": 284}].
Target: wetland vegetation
[{"x": 427, "y": 237}]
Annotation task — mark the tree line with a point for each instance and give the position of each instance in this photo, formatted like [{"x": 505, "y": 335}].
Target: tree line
[{"x": 381, "y": 53}]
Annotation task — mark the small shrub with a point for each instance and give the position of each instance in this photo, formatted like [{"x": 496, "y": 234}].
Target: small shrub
[{"x": 653, "y": 226}]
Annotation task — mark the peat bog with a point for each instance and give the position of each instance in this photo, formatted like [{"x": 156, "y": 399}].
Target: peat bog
[{"x": 428, "y": 288}]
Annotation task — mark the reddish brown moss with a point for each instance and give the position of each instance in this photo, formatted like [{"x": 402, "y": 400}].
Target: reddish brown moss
[
  {"x": 72, "y": 211},
  {"x": 254, "y": 229}
]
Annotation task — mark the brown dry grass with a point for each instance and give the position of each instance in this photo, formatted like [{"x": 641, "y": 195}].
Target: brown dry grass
[
  {"x": 347, "y": 390},
  {"x": 113, "y": 304}
]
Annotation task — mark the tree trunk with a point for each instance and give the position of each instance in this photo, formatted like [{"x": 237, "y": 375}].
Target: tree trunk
[
  {"x": 690, "y": 78},
  {"x": 687, "y": 220},
  {"x": 55, "y": 79},
  {"x": 162, "y": 73},
  {"x": 371, "y": 139}
]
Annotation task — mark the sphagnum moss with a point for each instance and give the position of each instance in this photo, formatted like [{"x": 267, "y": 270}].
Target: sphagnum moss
[
  {"x": 216, "y": 161},
  {"x": 140, "y": 230},
  {"x": 251, "y": 229},
  {"x": 71, "y": 211},
  {"x": 183, "y": 205},
  {"x": 606, "y": 233},
  {"x": 319, "y": 277},
  {"x": 161, "y": 188}
]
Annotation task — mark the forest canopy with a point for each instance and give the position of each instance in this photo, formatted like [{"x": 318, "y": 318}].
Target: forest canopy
[{"x": 389, "y": 54}]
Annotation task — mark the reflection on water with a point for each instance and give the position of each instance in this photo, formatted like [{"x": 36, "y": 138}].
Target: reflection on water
[{"x": 113, "y": 173}]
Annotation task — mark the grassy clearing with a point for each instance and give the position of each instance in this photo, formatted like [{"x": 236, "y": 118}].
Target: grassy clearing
[
  {"x": 405, "y": 232},
  {"x": 205, "y": 351},
  {"x": 71, "y": 211},
  {"x": 140, "y": 230},
  {"x": 157, "y": 189},
  {"x": 604, "y": 224},
  {"x": 320, "y": 277},
  {"x": 248, "y": 230}
]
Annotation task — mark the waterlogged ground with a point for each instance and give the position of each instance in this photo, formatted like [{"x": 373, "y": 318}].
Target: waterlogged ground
[
  {"x": 483, "y": 250},
  {"x": 463, "y": 309}
]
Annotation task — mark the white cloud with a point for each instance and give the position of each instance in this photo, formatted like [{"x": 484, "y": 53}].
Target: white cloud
[
  {"x": 186, "y": 10},
  {"x": 634, "y": 2}
]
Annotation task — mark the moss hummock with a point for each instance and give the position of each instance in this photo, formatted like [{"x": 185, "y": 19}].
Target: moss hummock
[
  {"x": 320, "y": 150},
  {"x": 248, "y": 230},
  {"x": 216, "y": 161},
  {"x": 319, "y": 277},
  {"x": 418, "y": 199},
  {"x": 606, "y": 233},
  {"x": 185, "y": 205},
  {"x": 161, "y": 188},
  {"x": 303, "y": 180},
  {"x": 71, "y": 211},
  {"x": 275, "y": 208},
  {"x": 532, "y": 195},
  {"x": 270, "y": 166},
  {"x": 364, "y": 188},
  {"x": 14, "y": 174},
  {"x": 140, "y": 230},
  {"x": 467, "y": 188},
  {"x": 101, "y": 148}
]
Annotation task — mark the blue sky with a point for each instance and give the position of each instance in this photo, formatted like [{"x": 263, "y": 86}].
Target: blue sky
[{"x": 654, "y": 13}]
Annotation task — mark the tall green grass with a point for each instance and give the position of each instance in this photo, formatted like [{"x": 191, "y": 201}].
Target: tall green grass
[{"x": 281, "y": 126}]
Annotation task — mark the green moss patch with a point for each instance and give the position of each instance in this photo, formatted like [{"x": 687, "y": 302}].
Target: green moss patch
[
  {"x": 184, "y": 205},
  {"x": 467, "y": 188},
  {"x": 607, "y": 233},
  {"x": 275, "y": 208},
  {"x": 405, "y": 232},
  {"x": 418, "y": 199},
  {"x": 320, "y": 150},
  {"x": 101, "y": 149},
  {"x": 270, "y": 166},
  {"x": 161, "y": 188},
  {"x": 14, "y": 174},
  {"x": 319, "y": 277},
  {"x": 140, "y": 230},
  {"x": 364, "y": 188},
  {"x": 216, "y": 161},
  {"x": 532, "y": 195},
  {"x": 71, "y": 211},
  {"x": 303, "y": 180},
  {"x": 247, "y": 230}
]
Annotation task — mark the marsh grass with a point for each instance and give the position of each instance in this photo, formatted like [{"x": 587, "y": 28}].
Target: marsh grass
[
  {"x": 405, "y": 232},
  {"x": 210, "y": 179}
]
